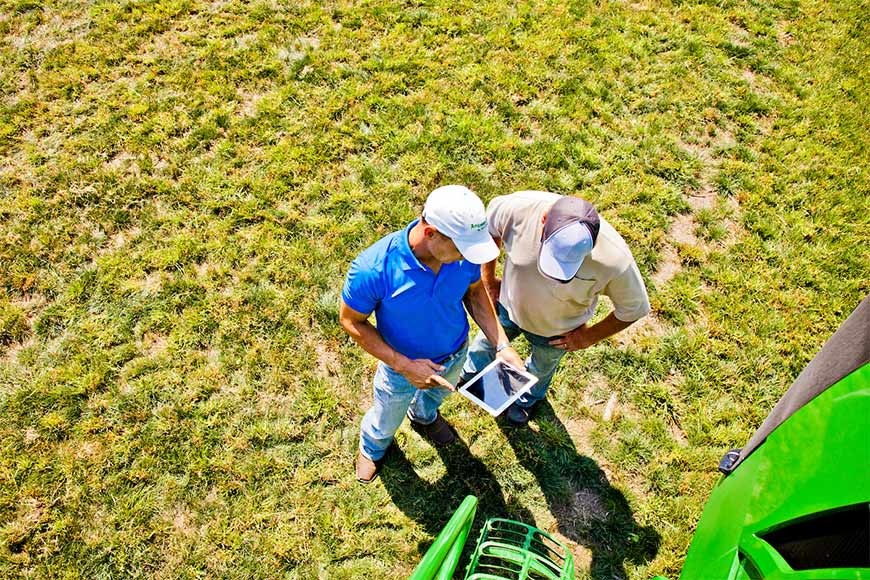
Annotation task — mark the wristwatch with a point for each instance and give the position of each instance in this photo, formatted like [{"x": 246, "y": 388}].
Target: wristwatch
[{"x": 502, "y": 345}]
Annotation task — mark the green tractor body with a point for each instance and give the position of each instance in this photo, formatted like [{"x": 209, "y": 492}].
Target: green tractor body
[{"x": 793, "y": 503}]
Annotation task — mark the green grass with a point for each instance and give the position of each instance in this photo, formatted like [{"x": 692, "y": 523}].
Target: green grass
[{"x": 183, "y": 184}]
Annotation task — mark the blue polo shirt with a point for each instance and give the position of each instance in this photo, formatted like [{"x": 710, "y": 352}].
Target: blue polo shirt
[{"x": 419, "y": 314}]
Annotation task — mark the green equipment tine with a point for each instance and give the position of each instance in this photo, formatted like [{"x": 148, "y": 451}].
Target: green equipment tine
[{"x": 441, "y": 558}]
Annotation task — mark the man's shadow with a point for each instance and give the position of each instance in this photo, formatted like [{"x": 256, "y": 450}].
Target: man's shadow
[
  {"x": 588, "y": 510},
  {"x": 432, "y": 504}
]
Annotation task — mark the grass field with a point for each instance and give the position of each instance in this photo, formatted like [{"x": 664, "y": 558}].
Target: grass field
[{"x": 183, "y": 184}]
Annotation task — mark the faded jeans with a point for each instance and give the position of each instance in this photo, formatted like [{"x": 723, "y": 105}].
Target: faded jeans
[
  {"x": 542, "y": 363},
  {"x": 394, "y": 397}
]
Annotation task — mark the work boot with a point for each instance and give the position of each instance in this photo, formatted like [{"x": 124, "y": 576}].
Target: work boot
[
  {"x": 518, "y": 416},
  {"x": 439, "y": 432},
  {"x": 366, "y": 469}
]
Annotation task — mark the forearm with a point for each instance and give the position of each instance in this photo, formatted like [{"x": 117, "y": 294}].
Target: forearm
[
  {"x": 481, "y": 308},
  {"x": 488, "y": 278},
  {"x": 487, "y": 273},
  {"x": 606, "y": 328}
]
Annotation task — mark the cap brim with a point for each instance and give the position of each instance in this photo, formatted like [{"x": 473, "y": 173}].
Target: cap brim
[
  {"x": 553, "y": 268},
  {"x": 478, "y": 250}
]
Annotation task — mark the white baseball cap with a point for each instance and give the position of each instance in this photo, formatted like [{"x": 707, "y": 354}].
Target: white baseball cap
[
  {"x": 569, "y": 235},
  {"x": 458, "y": 213}
]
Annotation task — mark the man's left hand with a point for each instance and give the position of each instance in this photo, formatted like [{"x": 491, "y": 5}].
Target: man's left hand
[
  {"x": 510, "y": 356},
  {"x": 575, "y": 340}
]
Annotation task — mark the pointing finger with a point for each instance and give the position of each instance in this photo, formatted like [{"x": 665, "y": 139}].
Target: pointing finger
[{"x": 442, "y": 382}]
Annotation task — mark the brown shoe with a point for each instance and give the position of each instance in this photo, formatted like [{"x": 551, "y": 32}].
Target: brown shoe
[
  {"x": 366, "y": 469},
  {"x": 438, "y": 432}
]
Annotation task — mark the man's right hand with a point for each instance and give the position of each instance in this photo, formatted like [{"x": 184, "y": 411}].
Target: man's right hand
[{"x": 423, "y": 373}]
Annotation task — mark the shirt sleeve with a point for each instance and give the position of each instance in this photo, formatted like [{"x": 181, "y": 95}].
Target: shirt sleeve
[
  {"x": 496, "y": 217},
  {"x": 363, "y": 288},
  {"x": 473, "y": 273},
  {"x": 628, "y": 294}
]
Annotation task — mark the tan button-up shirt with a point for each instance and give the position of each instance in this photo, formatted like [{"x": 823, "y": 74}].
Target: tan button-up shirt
[{"x": 549, "y": 308}]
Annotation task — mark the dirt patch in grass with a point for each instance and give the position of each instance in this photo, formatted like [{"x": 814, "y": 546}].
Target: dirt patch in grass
[
  {"x": 31, "y": 435},
  {"x": 783, "y": 36},
  {"x": 740, "y": 36},
  {"x": 669, "y": 266},
  {"x": 56, "y": 29},
  {"x": 679, "y": 435},
  {"x": 366, "y": 396},
  {"x": 700, "y": 149},
  {"x": 88, "y": 450},
  {"x": 124, "y": 162},
  {"x": 274, "y": 403},
  {"x": 203, "y": 269},
  {"x": 734, "y": 231},
  {"x": 683, "y": 230},
  {"x": 706, "y": 147},
  {"x": 582, "y": 511},
  {"x": 152, "y": 283},
  {"x": 704, "y": 198},
  {"x": 163, "y": 46},
  {"x": 328, "y": 362},
  {"x": 682, "y": 237},
  {"x": 154, "y": 344},
  {"x": 593, "y": 391},
  {"x": 248, "y": 102},
  {"x": 11, "y": 354},
  {"x": 31, "y": 304},
  {"x": 120, "y": 239},
  {"x": 648, "y": 327},
  {"x": 705, "y": 143},
  {"x": 580, "y": 431},
  {"x": 181, "y": 521},
  {"x": 582, "y": 555},
  {"x": 765, "y": 124}
]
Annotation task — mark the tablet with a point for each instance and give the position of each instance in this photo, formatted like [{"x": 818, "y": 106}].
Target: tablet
[{"x": 497, "y": 386}]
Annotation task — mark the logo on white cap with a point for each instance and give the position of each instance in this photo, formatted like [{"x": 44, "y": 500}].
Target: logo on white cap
[{"x": 458, "y": 213}]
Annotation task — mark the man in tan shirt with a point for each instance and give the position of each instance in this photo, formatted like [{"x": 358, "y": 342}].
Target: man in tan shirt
[{"x": 560, "y": 255}]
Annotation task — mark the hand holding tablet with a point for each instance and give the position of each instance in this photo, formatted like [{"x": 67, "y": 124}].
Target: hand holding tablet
[{"x": 497, "y": 386}]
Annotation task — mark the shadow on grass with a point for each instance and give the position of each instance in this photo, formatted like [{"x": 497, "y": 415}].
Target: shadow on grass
[
  {"x": 432, "y": 504},
  {"x": 588, "y": 510}
]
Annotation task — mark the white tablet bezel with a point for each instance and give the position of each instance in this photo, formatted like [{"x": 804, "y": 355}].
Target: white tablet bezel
[{"x": 496, "y": 412}]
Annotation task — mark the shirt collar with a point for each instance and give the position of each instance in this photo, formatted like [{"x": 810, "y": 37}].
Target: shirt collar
[{"x": 406, "y": 255}]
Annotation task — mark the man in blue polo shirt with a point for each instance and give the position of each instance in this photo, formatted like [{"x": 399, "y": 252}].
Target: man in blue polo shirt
[{"x": 416, "y": 282}]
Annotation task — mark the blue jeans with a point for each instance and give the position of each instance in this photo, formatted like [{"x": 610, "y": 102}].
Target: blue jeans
[
  {"x": 542, "y": 363},
  {"x": 394, "y": 397}
]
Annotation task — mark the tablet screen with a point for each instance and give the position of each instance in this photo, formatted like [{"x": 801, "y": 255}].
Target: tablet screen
[{"x": 498, "y": 386}]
